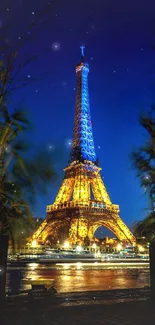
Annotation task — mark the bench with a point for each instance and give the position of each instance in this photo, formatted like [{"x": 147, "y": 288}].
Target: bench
[{"x": 40, "y": 289}]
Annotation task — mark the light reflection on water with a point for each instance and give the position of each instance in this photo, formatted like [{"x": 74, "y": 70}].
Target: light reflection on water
[{"x": 76, "y": 277}]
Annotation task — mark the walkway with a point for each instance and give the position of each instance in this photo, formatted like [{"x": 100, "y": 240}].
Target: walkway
[
  {"x": 67, "y": 311},
  {"x": 140, "y": 313}
]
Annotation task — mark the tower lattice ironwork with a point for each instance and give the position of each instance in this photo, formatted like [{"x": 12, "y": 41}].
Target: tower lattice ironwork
[{"x": 82, "y": 203}]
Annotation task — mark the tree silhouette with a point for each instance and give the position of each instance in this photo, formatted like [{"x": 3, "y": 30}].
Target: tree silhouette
[
  {"x": 24, "y": 171},
  {"x": 143, "y": 160}
]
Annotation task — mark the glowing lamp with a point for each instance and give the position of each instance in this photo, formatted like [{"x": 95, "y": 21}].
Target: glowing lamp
[
  {"x": 94, "y": 245},
  {"x": 34, "y": 243},
  {"x": 119, "y": 247},
  {"x": 66, "y": 244},
  {"x": 79, "y": 248},
  {"x": 141, "y": 248}
]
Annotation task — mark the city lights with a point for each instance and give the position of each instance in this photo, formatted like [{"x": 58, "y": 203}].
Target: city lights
[
  {"x": 119, "y": 247},
  {"x": 34, "y": 243},
  {"x": 79, "y": 248},
  {"x": 141, "y": 248},
  {"x": 66, "y": 244}
]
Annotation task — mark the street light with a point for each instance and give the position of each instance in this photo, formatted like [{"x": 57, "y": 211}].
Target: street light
[
  {"x": 141, "y": 248},
  {"x": 119, "y": 247},
  {"x": 66, "y": 244},
  {"x": 34, "y": 243},
  {"x": 79, "y": 248}
]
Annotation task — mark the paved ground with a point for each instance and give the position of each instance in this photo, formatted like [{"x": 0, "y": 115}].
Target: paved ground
[{"x": 131, "y": 313}]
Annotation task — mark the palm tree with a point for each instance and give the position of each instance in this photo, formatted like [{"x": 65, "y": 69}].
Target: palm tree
[{"x": 143, "y": 160}]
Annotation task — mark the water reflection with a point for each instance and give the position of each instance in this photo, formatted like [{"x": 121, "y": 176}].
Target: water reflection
[
  {"x": 79, "y": 277},
  {"x": 66, "y": 266},
  {"x": 33, "y": 266},
  {"x": 79, "y": 266}
]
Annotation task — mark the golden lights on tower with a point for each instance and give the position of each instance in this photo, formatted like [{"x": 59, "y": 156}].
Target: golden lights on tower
[{"x": 82, "y": 201}]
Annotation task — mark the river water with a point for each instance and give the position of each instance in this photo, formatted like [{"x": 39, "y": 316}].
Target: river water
[{"x": 78, "y": 277}]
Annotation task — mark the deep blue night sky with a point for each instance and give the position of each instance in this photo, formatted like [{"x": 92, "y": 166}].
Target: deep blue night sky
[{"x": 119, "y": 37}]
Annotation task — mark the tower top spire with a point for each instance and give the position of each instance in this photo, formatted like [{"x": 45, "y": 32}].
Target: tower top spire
[
  {"x": 82, "y": 141},
  {"x": 82, "y": 47}
]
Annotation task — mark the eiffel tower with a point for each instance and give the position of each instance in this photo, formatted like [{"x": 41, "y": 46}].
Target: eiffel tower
[{"x": 82, "y": 204}]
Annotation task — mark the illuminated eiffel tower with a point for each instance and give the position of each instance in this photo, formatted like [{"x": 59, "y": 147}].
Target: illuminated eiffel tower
[{"x": 82, "y": 203}]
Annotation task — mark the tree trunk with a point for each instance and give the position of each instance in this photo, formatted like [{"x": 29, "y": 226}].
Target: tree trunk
[{"x": 4, "y": 240}]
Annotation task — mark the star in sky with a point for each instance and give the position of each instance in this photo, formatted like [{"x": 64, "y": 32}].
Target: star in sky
[
  {"x": 68, "y": 142},
  {"x": 64, "y": 84},
  {"x": 50, "y": 147},
  {"x": 55, "y": 46}
]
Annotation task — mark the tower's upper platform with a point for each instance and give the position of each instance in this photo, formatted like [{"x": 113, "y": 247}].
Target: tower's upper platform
[{"x": 82, "y": 141}]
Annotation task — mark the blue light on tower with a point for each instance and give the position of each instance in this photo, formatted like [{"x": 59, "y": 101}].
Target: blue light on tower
[{"x": 83, "y": 143}]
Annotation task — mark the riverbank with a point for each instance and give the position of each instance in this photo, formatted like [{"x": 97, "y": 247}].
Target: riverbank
[
  {"x": 87, "y": 297},
  {"x": 114, "y": 307}
]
